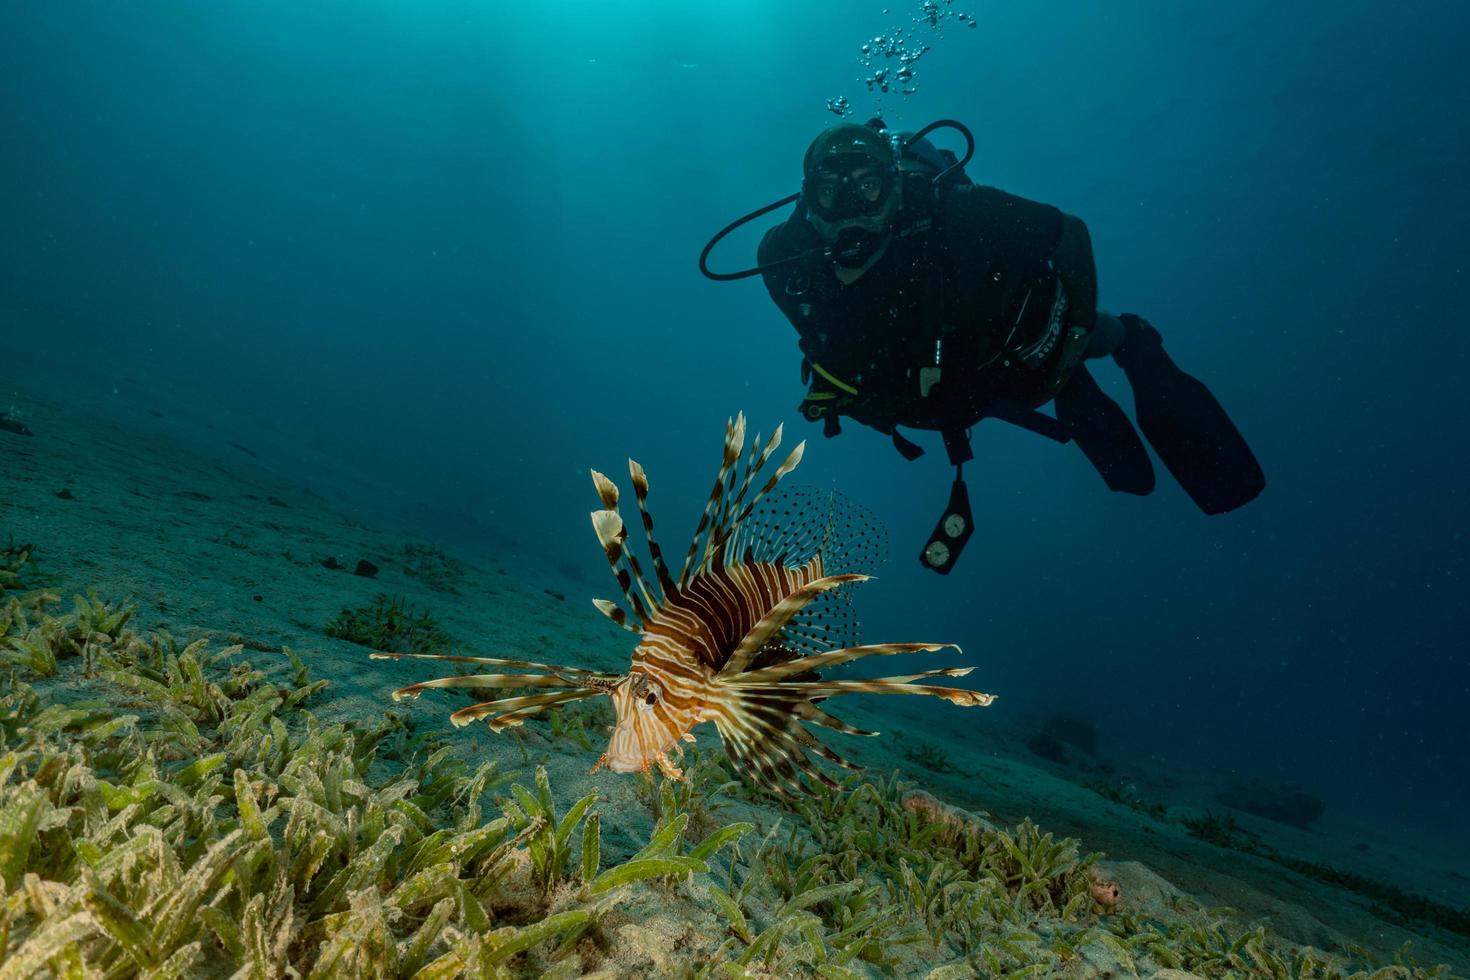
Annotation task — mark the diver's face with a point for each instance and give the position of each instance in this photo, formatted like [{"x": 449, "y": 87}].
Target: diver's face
[{"x": 847, "y": 195}]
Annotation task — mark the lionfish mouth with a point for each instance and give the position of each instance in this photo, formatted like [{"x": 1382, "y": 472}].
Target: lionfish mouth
[
  {"x": 643, "y": 764},
  {"x": 741, "y": 637}
]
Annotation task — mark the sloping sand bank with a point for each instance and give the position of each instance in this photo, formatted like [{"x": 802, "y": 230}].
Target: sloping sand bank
[{"x": 207, "y": 550}]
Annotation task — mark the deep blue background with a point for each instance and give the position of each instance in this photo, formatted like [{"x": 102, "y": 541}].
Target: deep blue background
[{"x": 437, "y": 259}]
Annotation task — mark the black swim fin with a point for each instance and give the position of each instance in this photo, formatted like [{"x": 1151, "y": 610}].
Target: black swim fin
[
  {"x": 1102, "y": 431},
  {"x": 1186, "y": 426}
]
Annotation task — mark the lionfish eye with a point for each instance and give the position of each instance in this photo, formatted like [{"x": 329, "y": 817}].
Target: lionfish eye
[{"x": 652, "y": 699}]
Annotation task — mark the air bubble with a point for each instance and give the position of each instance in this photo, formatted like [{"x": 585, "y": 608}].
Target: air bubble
[{"x": 902, "y": 43}]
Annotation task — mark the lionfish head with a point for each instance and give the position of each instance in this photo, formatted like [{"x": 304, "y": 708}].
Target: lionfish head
[{"x": 651, "y": 721}]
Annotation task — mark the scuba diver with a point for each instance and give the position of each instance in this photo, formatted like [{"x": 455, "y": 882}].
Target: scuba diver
[{"x": 923, "y": 300}]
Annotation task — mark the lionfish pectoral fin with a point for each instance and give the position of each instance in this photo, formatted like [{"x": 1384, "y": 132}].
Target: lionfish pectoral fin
[
  {"x": 891, "y": 685},
  {"x": 778, "y": 616},
  {"x": 811, "y": 713},
  {"x": 759, "y": 714},
  {"x": 510, "y": 712},
  {"x": 763, "y": 737},
  {"x": 583, "y": 676},
  {"x": 489, "y": 681},
  {"x": 832, "y": 658}
]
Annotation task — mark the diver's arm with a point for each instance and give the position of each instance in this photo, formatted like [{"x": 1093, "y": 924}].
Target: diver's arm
[
  {"x": 781, "y": 242},
  {"x": 1072, "y": 259}
]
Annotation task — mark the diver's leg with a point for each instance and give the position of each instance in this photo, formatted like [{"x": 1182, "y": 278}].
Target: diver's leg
[
  {"x": 1097, "y": 424},
  {"x": 1186, "y": 426},
  {"x": 1100, "y": 428}
]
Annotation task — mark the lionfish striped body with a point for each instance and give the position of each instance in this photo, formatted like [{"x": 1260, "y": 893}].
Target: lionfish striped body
[{"x": 739, "y": 638}]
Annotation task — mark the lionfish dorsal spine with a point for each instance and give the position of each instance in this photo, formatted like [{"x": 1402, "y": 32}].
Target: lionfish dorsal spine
[
  {"x": 786, "y": 466},
  {"x": 712, "y": 555},
  {"x": 733, "y": 499},
  {"x": 669, "y": 590},
  {"x": 607, "y": 492},
  {"x": 616, "y": 613},
  {"x": 730, "y": 501},
  {"x": 611, "y": 534},
  {"x": 724, "y": 531},
  {"x": 734, "y": 442}
]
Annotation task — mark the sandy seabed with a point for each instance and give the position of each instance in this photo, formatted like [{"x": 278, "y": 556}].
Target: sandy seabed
[{"x": 207, "y": 545}]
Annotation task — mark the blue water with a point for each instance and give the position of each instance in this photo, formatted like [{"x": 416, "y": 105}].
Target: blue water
[{"x": 437, "y": 259}]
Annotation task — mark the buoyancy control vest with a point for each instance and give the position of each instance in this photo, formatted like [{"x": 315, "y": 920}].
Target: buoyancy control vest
[
  {"x": 965, "y": 319},
  {"x": 962, "y": 318}
]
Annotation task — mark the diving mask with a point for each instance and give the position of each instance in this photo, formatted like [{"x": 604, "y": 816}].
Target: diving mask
[
  {"x": 836, "y": 194},
  {"x": 851, "y": 203}
]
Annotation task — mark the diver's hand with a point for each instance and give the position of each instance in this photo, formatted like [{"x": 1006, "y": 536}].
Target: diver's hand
[
  {"x": 818, "y": 405},
  {"x": 827, "y": 395}
]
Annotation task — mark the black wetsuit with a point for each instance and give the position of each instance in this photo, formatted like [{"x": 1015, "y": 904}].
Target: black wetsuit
[{"x": 968, "y": 284}]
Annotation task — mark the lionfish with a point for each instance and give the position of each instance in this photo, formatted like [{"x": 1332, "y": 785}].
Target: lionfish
[{"x": 739, "y": 638}]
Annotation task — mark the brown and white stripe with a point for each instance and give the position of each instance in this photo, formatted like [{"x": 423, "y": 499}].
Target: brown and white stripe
[{"x": 716, "y": 644}]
